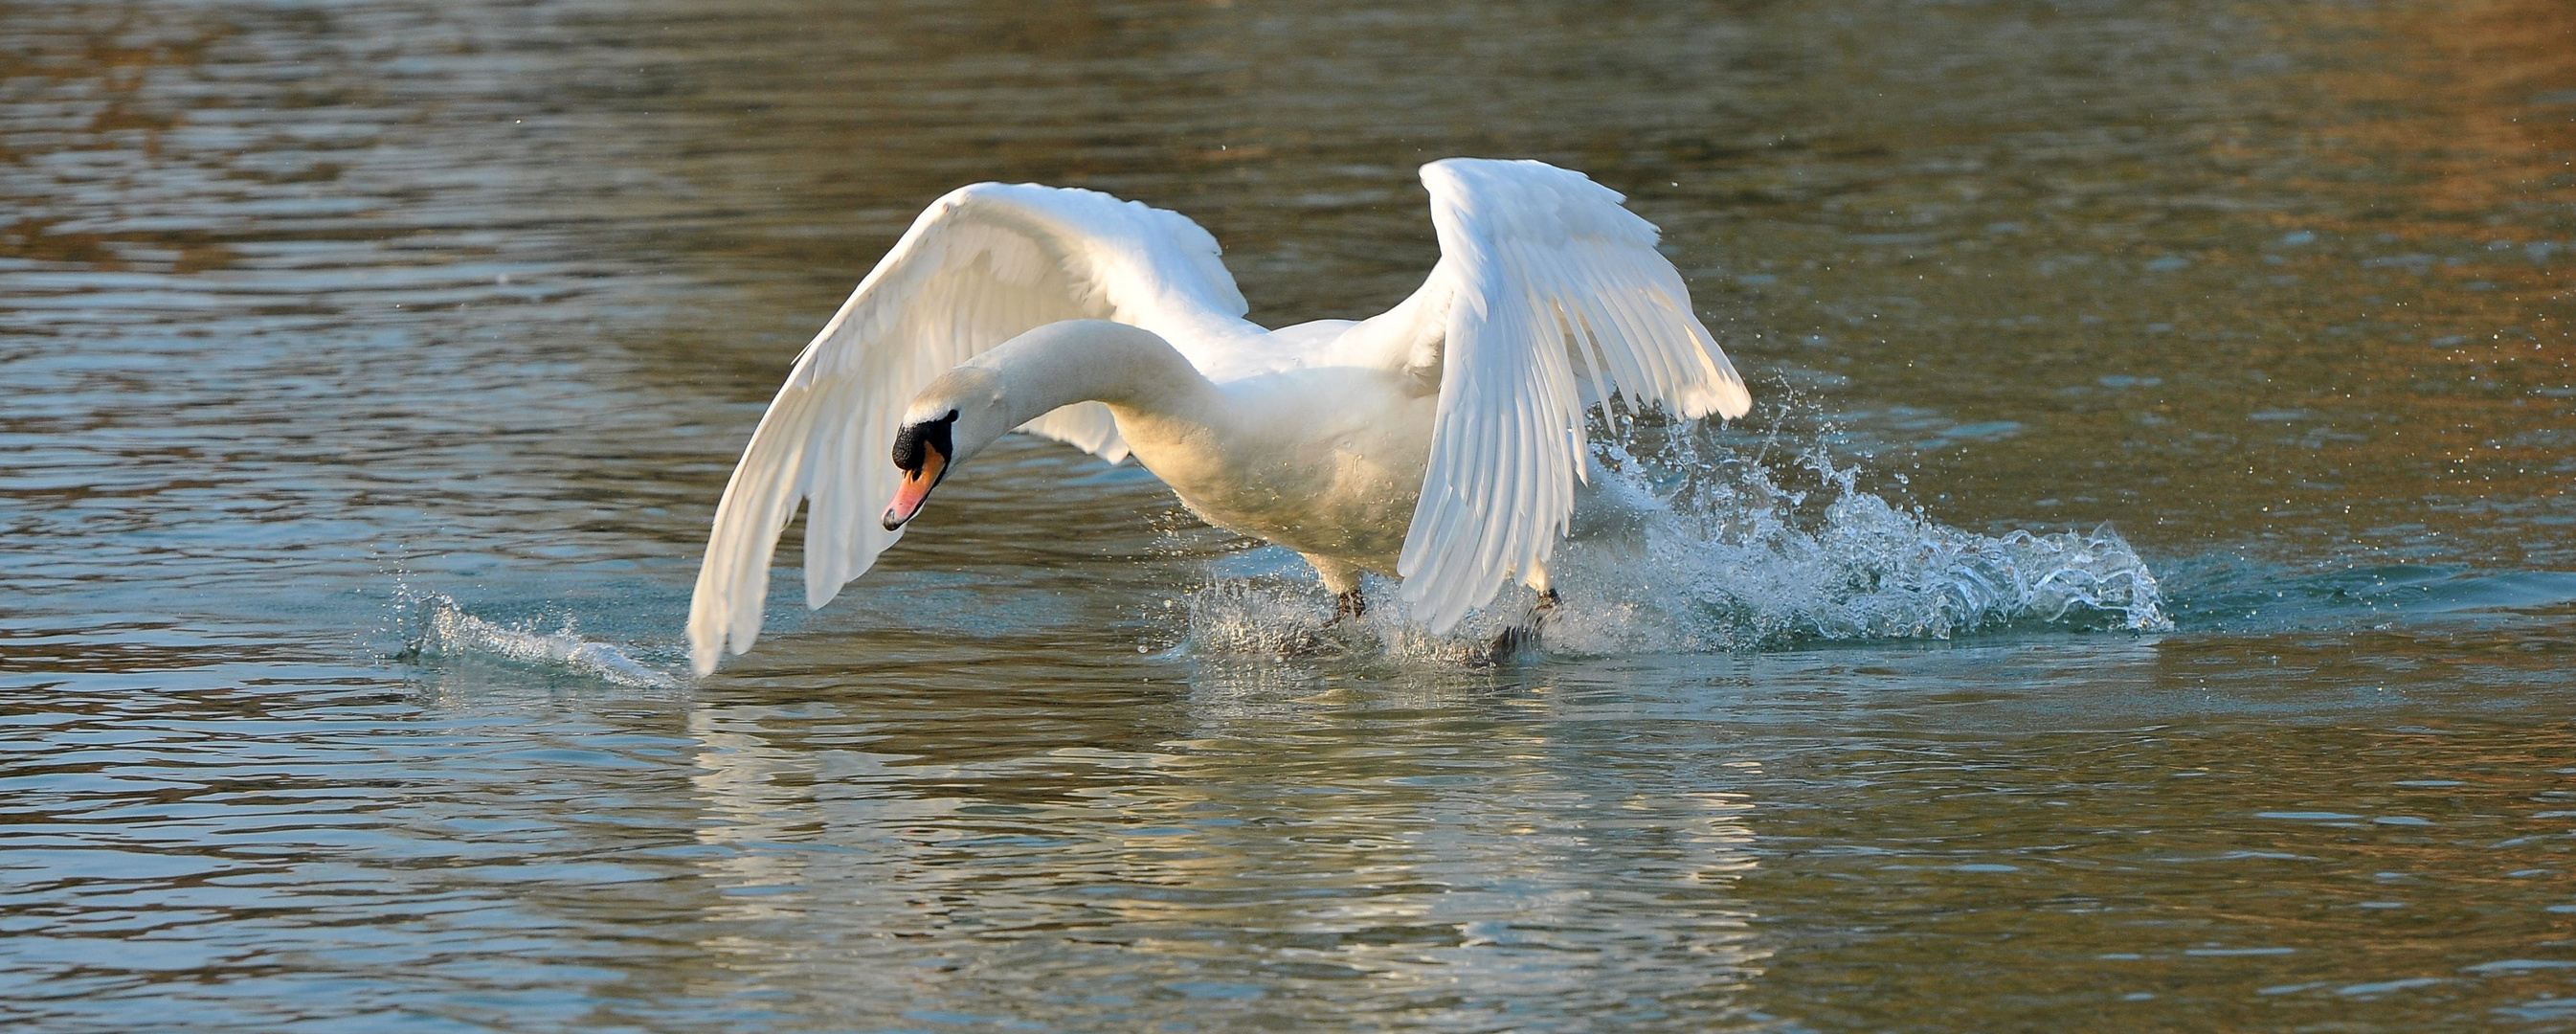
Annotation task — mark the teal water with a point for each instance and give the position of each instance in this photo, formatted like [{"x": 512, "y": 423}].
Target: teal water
[{"x": 2144, "y": 597}]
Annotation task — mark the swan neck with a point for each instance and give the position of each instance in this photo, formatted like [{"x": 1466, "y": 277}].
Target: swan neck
[{"x": 1091, "y": 361}]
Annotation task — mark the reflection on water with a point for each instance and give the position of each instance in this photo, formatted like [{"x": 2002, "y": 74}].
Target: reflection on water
[
  {"x": 368, "y": 372},
  {"x": 1378, "y": 863}
]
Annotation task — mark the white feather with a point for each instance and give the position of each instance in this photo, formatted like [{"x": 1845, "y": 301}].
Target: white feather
[
  {"x": 1327, "y": 437},
  {"x": 1554, "y": 298},
  {"x": 981, "y": 265}
]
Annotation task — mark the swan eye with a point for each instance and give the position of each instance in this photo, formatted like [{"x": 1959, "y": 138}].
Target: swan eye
[{"x": 909, "y": 442}]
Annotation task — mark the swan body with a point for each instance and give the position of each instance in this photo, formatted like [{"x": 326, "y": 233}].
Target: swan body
[{"x": 1440, "y": 442}]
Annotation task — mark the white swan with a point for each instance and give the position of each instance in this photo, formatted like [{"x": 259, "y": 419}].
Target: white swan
[{"x": 1440, "y": 442}]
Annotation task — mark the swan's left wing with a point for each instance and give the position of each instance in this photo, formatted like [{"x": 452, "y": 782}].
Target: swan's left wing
[{"x": 1549, "y": 296}]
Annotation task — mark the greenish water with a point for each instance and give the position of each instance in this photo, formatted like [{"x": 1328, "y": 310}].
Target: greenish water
[{"x": 2144, "y": 597}]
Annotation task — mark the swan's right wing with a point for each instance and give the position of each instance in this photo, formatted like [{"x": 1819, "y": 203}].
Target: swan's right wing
[
  {"x": 983, "y": 265},
  {"x": 1084, "y": 425}
]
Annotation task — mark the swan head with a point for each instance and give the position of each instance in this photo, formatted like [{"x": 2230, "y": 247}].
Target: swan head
[
  {"x": 948, "y": 423},
  {"x": 924, "y": 452}
]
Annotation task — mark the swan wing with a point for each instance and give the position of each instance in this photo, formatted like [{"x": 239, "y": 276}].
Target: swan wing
[
  {"x": 1084, "y": 425},
  {"x": 1548, "y": 297},
  {"x": 979, "y": 267}
]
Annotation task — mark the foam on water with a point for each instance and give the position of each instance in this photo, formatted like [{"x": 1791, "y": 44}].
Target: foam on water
[
  {"x": 437, "y": 626},
  {"x": 1713, "y": 540}
]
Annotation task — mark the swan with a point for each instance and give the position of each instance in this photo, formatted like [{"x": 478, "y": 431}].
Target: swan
[{"x": 1440, "y": 442}]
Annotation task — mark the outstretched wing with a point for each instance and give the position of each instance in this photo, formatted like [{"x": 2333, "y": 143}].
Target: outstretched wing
[
  {"x": 981, "y": 266},
  {"x": 1548, "y": 297}
]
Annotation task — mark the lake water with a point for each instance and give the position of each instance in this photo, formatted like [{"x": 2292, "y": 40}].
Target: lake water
[{"x": 2144, "y": 597}]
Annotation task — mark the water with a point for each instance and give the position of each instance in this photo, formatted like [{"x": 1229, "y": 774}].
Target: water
[{"x": 2144, "y": 598}]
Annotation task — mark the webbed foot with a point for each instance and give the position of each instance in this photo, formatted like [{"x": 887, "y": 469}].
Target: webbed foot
[
  {"x": 1348, "y": 605},
  {"x": 1523, "y": 635}
]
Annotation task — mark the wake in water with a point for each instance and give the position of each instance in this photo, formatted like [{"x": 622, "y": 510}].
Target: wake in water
[
  {"x": 1727, "y": 542},
  {"x": 436, "y": 626}
]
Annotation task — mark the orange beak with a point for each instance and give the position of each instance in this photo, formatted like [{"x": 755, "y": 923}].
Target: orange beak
[{"x": 915, "y": 489}]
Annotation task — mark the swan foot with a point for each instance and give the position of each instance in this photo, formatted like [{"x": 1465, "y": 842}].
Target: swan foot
[
  {"x": 1522, "y": 636},
  {"x": 1313, "y": 643},
  {"x": 1343, "y": 581},
  {"x": 1327, "y": 639}
]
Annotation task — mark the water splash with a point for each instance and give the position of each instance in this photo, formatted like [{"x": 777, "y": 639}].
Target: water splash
[
  {"x": 438, "y": 626},
  {"x": 1703, "y": 539}
]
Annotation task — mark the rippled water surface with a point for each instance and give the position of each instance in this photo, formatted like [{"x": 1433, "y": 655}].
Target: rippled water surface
[{"x": 2144, "y": 597}]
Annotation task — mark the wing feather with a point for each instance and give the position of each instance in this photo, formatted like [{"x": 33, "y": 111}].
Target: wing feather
[
  {"x": 1549, "y": 297},
  {"x": 980, "y": 266}
]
